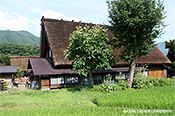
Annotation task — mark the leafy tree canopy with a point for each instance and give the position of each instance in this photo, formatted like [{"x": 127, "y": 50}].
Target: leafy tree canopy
[
  {"x": 135, "y": 24},
  {"x": 89, "y": 49},
  {"x": 19, "y": 49},
  {"x": 171, "y": 55},
  {"x": 9, "y": 49},
  {"x": 171, "y": 52},
  {"x": 4, "y": 60}
]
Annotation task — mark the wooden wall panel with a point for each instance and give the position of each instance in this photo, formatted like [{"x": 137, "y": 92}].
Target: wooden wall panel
[
  {"x": 45, "y": 83},
  {"x": 156, "y": 73}
]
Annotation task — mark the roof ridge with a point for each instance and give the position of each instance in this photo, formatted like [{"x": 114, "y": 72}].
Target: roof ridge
[
  {"x": 62, "y": 20},
  {"x": 16, "y": 57},
  {"x": 8, "y": 66}
]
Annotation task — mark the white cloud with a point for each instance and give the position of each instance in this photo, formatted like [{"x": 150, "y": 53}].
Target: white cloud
[
  {"x": 56, "y": 15},
  {"x": 14, "y": 21}
]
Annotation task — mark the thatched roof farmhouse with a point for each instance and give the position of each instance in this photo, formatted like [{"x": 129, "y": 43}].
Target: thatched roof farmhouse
[{"x": 54, "y": 70}]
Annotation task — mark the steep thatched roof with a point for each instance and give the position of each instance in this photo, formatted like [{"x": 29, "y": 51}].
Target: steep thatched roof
[
  {"x": 57, "y": 33},
  {"x": 21, "y": 61}
]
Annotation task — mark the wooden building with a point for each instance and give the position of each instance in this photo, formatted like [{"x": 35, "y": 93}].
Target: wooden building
[
  {"x": 21, "y": 61},
  {"x": 54, "y": 71},
  {"x": 6, "y": 73}
]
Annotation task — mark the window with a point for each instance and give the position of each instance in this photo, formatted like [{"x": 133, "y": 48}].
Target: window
[
  {"x": 60, "y": 80},
  {"x": 71, "y": 79},
  {"x": 97, "y": 77},
  {"x": 54, "y": 81},
  {"x": 50, "y": 53},
  {"x": 57, "y": 80},
  {"x": 85, "y": 81}
]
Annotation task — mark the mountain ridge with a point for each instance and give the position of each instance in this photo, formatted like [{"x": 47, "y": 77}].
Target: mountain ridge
[{"x": 18, "y": 37}]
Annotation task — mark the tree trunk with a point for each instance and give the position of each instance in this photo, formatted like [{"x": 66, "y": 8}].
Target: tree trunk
[
  {"x": 91, "y": 76},
  {"x": 131, "y": 71}
]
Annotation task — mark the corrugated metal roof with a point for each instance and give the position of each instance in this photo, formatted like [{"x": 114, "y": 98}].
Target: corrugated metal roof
[
  {"x": 8, "y": 69},
  {"x": 41, "y": 66}
]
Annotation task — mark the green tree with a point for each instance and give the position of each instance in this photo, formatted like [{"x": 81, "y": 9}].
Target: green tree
[
  {"x": 135, "y": 24},
  {"x": 171, "y": 55},
  {"x": 19, "y": 73},
  {"x": 19, "y": 49},
  {"x": 89, "y": 49},
  {"x": 5, "y": 59}
]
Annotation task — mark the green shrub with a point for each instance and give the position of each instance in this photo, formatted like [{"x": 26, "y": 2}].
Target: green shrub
[
  {"x": 5, "y": 86},
  {"x": 163, "y": 82},
  {"x": 173, "y": 77},
  {"x": 154, "y": 81},
  {"x": 148, "y": 84},
  {"x": 139, "y": 80},
  {"x": 105, "y": 87},
  {"x": 102, "y": 88},
  {"x": 122, "y": 84}
]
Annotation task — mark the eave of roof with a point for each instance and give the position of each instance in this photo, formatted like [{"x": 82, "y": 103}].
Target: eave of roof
[
  {"x": 41, "y": 66},
  {"x": 8, "y": 69}
]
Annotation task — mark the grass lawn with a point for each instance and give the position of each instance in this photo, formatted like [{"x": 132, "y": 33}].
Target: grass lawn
[{"x": 63, "y": 102}]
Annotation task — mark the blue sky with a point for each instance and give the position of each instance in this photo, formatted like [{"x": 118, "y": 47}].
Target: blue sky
[{"x": 26, "y": 14}]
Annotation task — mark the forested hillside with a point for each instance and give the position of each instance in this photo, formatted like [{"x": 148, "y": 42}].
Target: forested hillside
[
  {"x": 9, "y": 49},
  {"x": 18, "y": 37},
  {"x": 19, "y": 49}
]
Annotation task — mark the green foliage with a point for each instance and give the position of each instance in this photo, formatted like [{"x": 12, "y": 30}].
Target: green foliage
[
  {"x": 18, "y": 37},
  {"x": 65, "y": 111},
  {"x": 141, "y": 81},
  {"x": 161, "y": 98},
  {"x": 135, "y": 24},
  {"x": 19, "y": 73},
  {"x": 5, "y": 84},
  {"x": 89, "y": 49},
  {"x": 173, "y": 77},
  {"x": 105, "y": 88},
  {"x": 19, "y": 49},
  {"x": 123, "y": 84},
  {"x": 83, "y": 103},
  {"x": 5, "y": 59},
  {"x": 171, "y": 55}
]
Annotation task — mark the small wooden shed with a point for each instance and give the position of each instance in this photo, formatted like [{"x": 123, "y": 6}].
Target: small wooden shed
[{"x": 6, "y": 73}]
